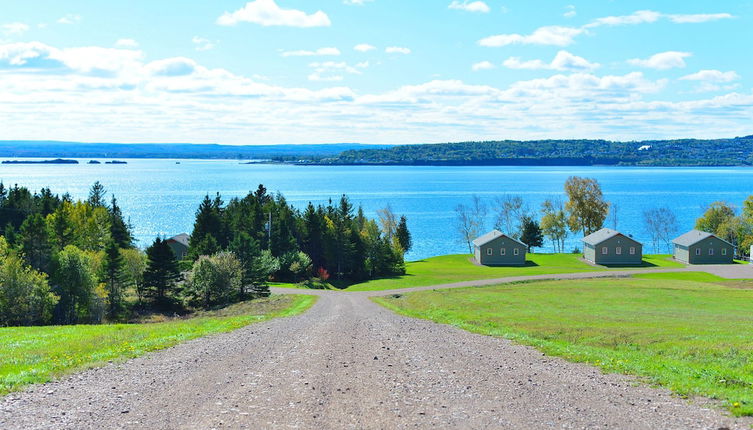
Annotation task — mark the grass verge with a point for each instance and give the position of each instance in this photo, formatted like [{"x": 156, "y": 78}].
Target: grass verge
[
  {"x": 31, "y": 355},
  {"x": 456, "y": 268},
  {"x": 685, "y": 335}
]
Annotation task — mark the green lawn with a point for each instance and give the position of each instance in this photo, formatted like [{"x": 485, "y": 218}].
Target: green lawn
[
  {"x": 455, "y": 268},
  {"x": 37, "y": 354},
  {"x": 692, "y": 337}
]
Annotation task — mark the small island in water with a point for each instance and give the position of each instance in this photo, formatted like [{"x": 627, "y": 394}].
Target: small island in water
[{"x": 55, "y": 161}]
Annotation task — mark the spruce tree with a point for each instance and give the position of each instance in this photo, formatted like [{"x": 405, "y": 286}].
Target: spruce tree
[
  {"x": 114, "y": 279},
  {"x": 161, "y": 272},
  {"x": 97, "y": 195},
  {"x": 404, "y": 238},
  {"x": 531, "y": 233},
  {"x": 207, "y": 236},
  {"x": 35, "y": 243},
  {"x": 120, "y": 230}
]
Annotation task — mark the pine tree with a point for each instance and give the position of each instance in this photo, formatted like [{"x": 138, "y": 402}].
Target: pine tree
[
  {"x": 207, "y": 236},
  {"x": 35, "y": 243},
  {"x": 247, "y": 250},
  {"x": 403, "y": 235},
  {"x": 114, "y": 279},
  {"x": 530, "y": 233},
  {"x": 97, "y": 195},
  {"x": 161, "y": 272},
  {"x": 119, "y": 229}
]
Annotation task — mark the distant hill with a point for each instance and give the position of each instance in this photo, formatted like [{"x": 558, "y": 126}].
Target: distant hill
[
  {"x": 681, "y": 152},
  {"x": 53, "y": 149}
]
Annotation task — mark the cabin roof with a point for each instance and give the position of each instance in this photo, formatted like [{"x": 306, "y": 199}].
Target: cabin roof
[
  {"x": 694, "y": 236},
  {"x": 182, "y": 238},
  {"x": 494, "y": 234},
  {"x": 604, "y": 234}
]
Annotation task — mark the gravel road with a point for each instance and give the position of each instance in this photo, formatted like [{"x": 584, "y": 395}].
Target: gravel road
[{"x": 349, "y": 363}]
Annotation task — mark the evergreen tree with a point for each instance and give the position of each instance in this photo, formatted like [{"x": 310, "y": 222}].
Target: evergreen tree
[
  {"x": 247, "y": 250},
  {"x": 114, "y": 279},
  {"x": 120, "y": 230},
  {"x": 161, "y": 273},
  {"x": 530, "y": 233},
  {"x": 313, "y": 237},
  {"x": 10, "y": 234},
  {"x": 207, "y": 236},
  {"x": 97, "y": 195},
  {"x": 403, "y": 235},
  {"x": 60, "y": 226},
  {"x": 35, "y": 243}
]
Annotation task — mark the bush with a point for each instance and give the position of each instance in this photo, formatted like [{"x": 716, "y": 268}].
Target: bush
[
  {"x": 214, "y": 280},
  {"x": 25, "y": 296}
]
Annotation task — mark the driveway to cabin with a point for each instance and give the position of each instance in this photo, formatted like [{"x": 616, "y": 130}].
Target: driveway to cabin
[{"x": 349, "y": 363}]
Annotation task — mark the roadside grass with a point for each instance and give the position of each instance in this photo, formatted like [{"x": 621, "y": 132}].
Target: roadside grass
[
  {"x": 30, "y": 355},
  {"x": 691, "y": 337},
  {"x": 683, "y": 276},
  {"x": 456, "y": 268}
]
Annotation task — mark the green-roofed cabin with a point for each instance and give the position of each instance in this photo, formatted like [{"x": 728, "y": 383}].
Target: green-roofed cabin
[
  {"x": 611, "y": 248},
  {"x": 497, "y": 249},
  {"x": 700, "y": 247}
]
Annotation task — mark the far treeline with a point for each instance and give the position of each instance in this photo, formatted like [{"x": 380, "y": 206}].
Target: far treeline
[
  {"x": 682, "y": 152},
  {"x": 74, "y": 262},
  {"x": 586, "y": 211}
]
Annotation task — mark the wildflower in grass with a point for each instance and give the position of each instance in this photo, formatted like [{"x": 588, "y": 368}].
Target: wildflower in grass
[{"x": 736, "y": 404}]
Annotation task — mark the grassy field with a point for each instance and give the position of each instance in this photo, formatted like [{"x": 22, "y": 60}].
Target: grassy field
[
  {"x": 456, "y": 268},
  {"x": 692, "y": 337},
  {"x": 37, "y": 354}
]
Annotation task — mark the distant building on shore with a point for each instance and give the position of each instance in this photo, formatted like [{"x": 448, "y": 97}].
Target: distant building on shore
[
  {"x": 179, "y": 245},
  {"x": 612, "y": 248},
  {"x": 700, "y": 247},
  {"x": 497, "y": 249}
]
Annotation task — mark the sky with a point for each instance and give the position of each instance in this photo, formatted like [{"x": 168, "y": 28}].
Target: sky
[{"x": 374, "y": 71}]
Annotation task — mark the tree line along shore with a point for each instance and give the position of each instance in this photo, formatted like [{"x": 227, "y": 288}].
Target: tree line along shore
[{"x": 75, "y": 262}]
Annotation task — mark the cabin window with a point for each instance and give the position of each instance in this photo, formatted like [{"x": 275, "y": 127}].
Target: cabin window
[
  {"x": 724, "y": 251},
  {"x": 516, "y": 251},
  {"x": 711, "y": 251},
  {"x": 632, "y": 250},
  {"x": 502, "y": 251},
  {"x": 604, "y": 250},
  {"x": 618, "y": 250},
  {"x": 489, "y": 251},
  {"x": 698, "y": 251}
]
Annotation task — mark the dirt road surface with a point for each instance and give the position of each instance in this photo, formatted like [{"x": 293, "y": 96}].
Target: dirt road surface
[{"x": 348, "y": 363}]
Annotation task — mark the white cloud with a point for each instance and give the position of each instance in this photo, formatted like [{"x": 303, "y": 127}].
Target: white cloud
[
  {"x": 563, "y": 61},
  {"x": 638, "y": 17},
  {"x": 552, "y": 35},
  {"x": 470, "y": 6},
  {"x": 268, "y": 13},
  {"x": 356, "y": 2},
  {"x": 202, "y": 44},
  {"x": 712, "y": 76},
  {"x": 69, "y": 19},
  {"x": 564, "y": 36},
  {"x": 570, "y": 11},
  {"x": 698, "y": 18},
  {"x": 364, "y": 47},
  {"x": 329, "y": 71},
  {"x": 663, "y": 60},
  {"x": 126, "y": 43},
  {"x": 116, "y": 95},
  {"x": 482, "y": 65},
  {"x": 14, "y": 28},
  {"x": 397, "y": 50},
  {"x": 306, "y": 53}
]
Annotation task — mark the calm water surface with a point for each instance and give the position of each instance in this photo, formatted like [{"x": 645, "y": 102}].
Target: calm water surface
[{"x": 161, "y": 197}]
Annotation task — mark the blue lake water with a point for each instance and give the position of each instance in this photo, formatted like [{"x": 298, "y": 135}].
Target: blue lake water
[{"x": 161, "y": 197}]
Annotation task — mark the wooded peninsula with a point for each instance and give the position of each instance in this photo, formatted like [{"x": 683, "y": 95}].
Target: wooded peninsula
[{"x": 737, "y": 151}]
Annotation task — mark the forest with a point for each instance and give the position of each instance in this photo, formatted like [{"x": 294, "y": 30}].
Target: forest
[
  {"x": 75, "y": 262},
  {"x": 682, "y": 152}
]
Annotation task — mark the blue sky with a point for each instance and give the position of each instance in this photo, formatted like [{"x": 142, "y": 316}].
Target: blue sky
[{"x": 374, "y": 71}]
